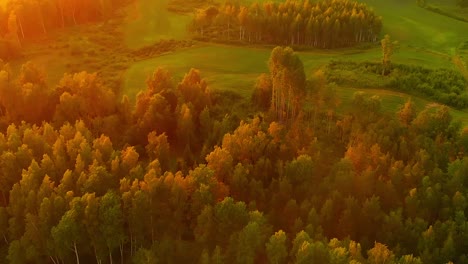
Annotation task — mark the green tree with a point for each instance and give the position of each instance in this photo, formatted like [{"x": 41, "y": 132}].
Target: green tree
[
  {"x": 249, "y": 241},
  {"x": 111, "y": 223},
  {"x": 92, "y": 225},
  {"x": 276, "y": 248},
  {"x": 68, "y": 233},
  {"x": 388, "y": 48}
]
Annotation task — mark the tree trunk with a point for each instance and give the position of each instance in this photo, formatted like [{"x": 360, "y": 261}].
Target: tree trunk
[
  {"x": 131, "y": 244},
  {"x": 21, "y": 27},
  {"x": 151, "y": 220},
  {"x": 76, "y": 253},
  {"x": 110, "y": 256},
  {"x": 73, "y": 13},
  {"x": 121, "y": 253},
  {"x": 98, "y": 261},
  {"x": 53, "y": 260},
  {"x": 61, "y": 13},
  {"x": 43, "y": 24}
]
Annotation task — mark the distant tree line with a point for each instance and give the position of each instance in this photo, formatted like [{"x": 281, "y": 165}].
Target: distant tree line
[
  {"x": 25, "y": 19},
  {"x": 322, "y": 24}
]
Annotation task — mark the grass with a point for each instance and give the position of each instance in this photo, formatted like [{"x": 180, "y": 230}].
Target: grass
[
  {"x": 448, "y": 8},
  {"x": 417, "y": 27},
  {"x": 138, "y": 32},
  {"x": 236, "y": 68}
]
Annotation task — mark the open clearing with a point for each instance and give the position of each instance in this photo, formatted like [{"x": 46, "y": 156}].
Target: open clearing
[{"x": 236, "y": 68}]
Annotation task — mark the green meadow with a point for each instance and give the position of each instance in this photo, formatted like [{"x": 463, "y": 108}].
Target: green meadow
[{"x": 425, "y": 38}]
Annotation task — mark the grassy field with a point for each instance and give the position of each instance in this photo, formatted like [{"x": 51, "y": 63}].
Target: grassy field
[
  {"x": 236, "y": 68},
  {"x": 417, "y": 27},
  {"x": 138, "y": 34}
]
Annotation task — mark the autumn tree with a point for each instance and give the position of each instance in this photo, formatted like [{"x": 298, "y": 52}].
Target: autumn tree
[
  {"x": 319, "y": 24},
  {"x": 288, "y": 83},
  {"x": 388, "y": 48},
  {"x": 262, "y": 93},
  {"x": 83, "y": 96}
]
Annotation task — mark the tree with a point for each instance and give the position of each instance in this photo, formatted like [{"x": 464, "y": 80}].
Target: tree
[
  {"x": 185, "y": 129},
  {"x": 13, "y": 41},
  {"x": 262, "y": 93},
  {"x": 35, "y": 95},
  {"x": 221, "y": 162},
  {"x": 111, "y": 223},
  {"x": 83, "y": 96},
  {"x": 407, "y": 113},
  {"x": 312, "y": 252},
  {"x": 243, "y": 19},
  {"x": 288, "y": 83},
  {"x": 92, "y": 225},
  {"x": 201, "y": 21},
  {"x": 154, "y": 109},
  {"x": 15, "y": 253},
  {"x": 388, "y": 48},
  {"x": 68, "y": 233},
  {"x": 380, "y": 254},
  {"x": 409, "y": 259},
  {"x": 276, "y": 248},
  {"x": 249, "y": 240},
  {"x": 217, "y": 257},
  {"x": 230, "y": 217}
]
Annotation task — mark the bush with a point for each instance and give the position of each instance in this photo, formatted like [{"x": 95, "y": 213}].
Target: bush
[{"x": 442, "y": 85}]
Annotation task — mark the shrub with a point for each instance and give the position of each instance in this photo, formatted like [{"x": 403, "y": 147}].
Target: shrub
[{"x": 442, "y": 85}]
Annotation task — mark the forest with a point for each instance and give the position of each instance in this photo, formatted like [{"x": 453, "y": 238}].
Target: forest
[
  {"x": 324, "y": 24},
  {"x": 312, "y": 164},
  {"x": 176, "y": 179},
  {"x": 26, "y": 19}
]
